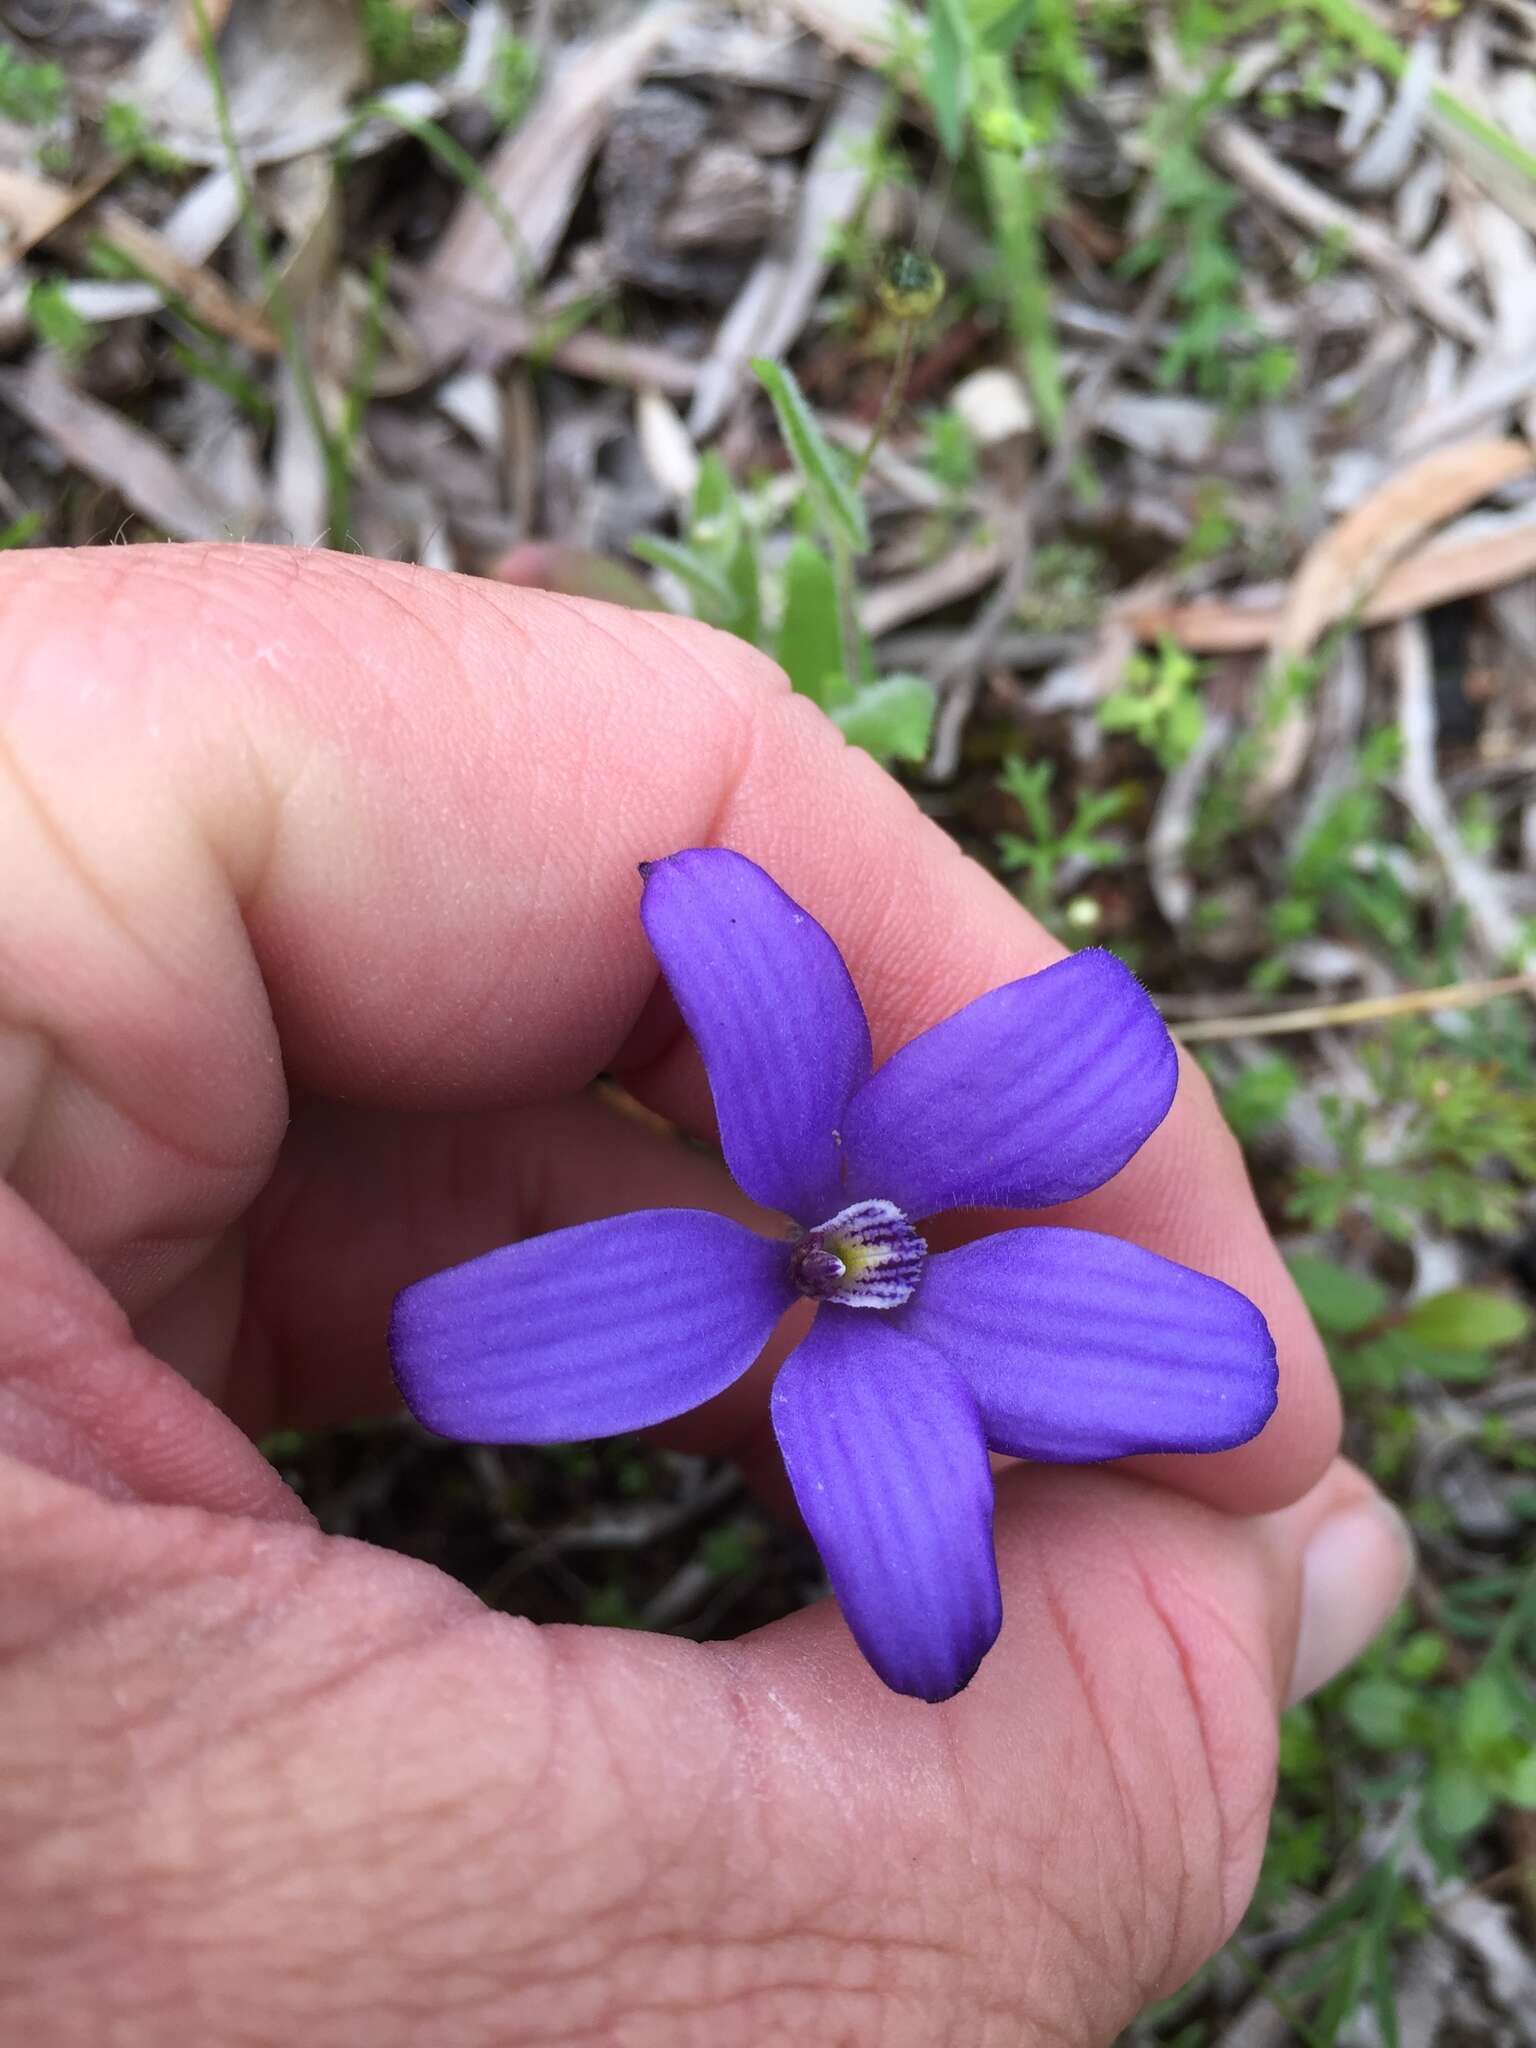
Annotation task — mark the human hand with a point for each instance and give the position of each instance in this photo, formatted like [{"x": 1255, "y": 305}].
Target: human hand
[{"x": 319, "y": 916}]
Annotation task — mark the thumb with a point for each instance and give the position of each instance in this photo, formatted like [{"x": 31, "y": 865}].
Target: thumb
[{"x": 1088, "y": 1818}]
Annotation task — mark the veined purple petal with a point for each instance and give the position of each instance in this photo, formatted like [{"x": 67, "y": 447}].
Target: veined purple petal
[
  {"x": 775, "y": 1017},
  {"x": 1081, "y": 1347},
  {"x": 588, "y": 1332},
  {"x": 1031, "y": 1095},
  {"x": 884, "y": 1449}
]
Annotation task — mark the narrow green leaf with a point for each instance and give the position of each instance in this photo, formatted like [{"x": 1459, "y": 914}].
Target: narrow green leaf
[
  {"x": 948, "y": 73},
  {"x": 1468, "y": 1319},
  {"x": 702, "y": 580},
  {"x": 810, "y": 633},
  {"x": 746, "y": 619},
  {"x": 832, "y": 496},
  {"x": 1343, "y": 1303},
  {"x": 21, "y": 530},
  {"x": 891, "y": 719},
  {"x": 712, "y": 491}
]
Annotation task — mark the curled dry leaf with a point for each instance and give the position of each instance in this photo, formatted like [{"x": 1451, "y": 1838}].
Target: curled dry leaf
[
  {"x": 1338, "y": 573},
  {"x": 1431, "y": 575},
  {"x": 1341, "y": 569}
]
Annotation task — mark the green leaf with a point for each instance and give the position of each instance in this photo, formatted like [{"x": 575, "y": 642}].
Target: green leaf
[
  {"x": 832, "y": 496},
  {"x": 21, "y": 530},
  {"x": 1422, "y": 1655},
  {"x": 948, "y": 80},
  {"x": 1258, "y": 1097},
  {"x": 1458, "y": 1800},
  {"x": 1486, "y": 1715},
  {"x": 1380, "y": 1711},
  {"x": 810, "y": 633},
  {"x": 712, "y": 493},
  {"x": 703, "y": 581},
  {"x": 890, "y": 719},
  {"x": 1520, "y": 1781},
  {"x": 1342, "y": 1302},
  {"x": 1468, "y": 1319}
]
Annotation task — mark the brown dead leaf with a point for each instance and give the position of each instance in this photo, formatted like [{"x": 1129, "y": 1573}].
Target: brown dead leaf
[
  {"x": 112, "y": 449},
  {"x": 289, "y": 69},
  {"x": 205, "y": 293},
  {"x": 1434, "y": 574},
  {"x": 1339, "y": 571},
  {"x": 32, "y": 207}
]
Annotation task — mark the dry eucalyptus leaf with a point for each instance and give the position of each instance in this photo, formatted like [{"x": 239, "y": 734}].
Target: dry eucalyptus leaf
[
  {"x": 1434, "y": 574},
  {"x": 1341, "y": 569},
  {"x": 290, "y": 68}
]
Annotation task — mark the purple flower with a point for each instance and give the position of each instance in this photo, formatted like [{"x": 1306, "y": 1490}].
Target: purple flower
[{"x": 1043, "y": 1343}]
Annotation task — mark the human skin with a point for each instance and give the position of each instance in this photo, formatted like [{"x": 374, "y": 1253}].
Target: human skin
[{"x": 318, "y": 918}]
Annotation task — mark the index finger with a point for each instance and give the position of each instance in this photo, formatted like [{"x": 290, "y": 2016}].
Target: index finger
[{"x": 375, "y": 829}]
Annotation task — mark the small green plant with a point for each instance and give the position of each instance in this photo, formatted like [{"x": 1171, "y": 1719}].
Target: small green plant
[
  {"x": 1445, "y": 1138},
  {"x": 20, "y": 530},
  {"x": 1375, "y": 1346},
  {"x": 1217, "y": 345},
  {"x": 1159, "y": 703},
  {"x": 56, "y": 323},
  {"x": 1468, "y": 1740},
  {"x": 1066, "y": 588},
  {"x": 1259, "y": 1096},
  {"x": 1343, "y": 875},
  {"x": 31, "y": 95},
  {"x": 1043, "y": 849},
  {"x": 1214, "y": 530},
  {"x": 404, "y": 44},
  {"x": 816, "y": 636},
  {"x": 513, "y": 81},
  {"x": 949, "y": 452},
  {"x": 126, "y": 133},
  {"x": 996, "y": 75}
]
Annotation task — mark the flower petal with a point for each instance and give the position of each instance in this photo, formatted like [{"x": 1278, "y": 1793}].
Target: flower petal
[
  {"x": 588, "y": 1332},
  {"x": 1031, "y": 1095},
  {"x": 1081, "y": 1347},
  {"x": 884, "y": 1449},
  {"x": 775, "y": 1016}
]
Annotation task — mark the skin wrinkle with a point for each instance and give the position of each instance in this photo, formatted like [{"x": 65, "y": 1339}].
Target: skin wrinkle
[
  {"x": 1133, "y": 1930},
  {"x": 1239, "y": 1852},
  {"x": 1195, "y": 1695}
]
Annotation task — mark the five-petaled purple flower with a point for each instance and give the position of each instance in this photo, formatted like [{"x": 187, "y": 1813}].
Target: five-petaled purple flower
[{"x": 1043, "y": 1343}]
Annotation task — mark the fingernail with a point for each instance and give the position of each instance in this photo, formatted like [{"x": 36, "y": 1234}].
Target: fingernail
[{"x": 1355, "y": 1570}]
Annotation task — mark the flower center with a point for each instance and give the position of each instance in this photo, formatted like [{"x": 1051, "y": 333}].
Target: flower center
[{"x": 867, "y": 1256}]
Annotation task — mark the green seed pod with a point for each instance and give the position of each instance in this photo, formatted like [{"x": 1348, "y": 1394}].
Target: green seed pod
[{"x": 909, "y": 286}]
